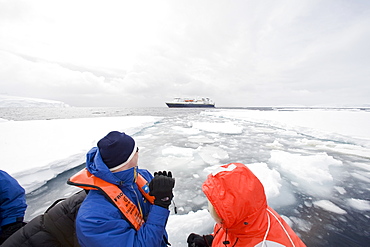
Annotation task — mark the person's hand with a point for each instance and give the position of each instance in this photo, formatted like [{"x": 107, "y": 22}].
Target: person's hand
[
  {"x": 195, "y": 240},
  {"x": 161, "y": 188}
]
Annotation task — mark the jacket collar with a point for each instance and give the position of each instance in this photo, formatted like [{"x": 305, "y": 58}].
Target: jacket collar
[{"x": 96, "y": 166}]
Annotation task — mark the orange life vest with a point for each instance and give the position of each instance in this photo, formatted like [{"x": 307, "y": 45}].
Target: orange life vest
[{"x": 84, "y": 179}]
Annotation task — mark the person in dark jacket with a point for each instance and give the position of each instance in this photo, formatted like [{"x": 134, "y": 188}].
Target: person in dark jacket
[
  {"x": 54, "y": 228},
  {"x": 12, "y": 205}
]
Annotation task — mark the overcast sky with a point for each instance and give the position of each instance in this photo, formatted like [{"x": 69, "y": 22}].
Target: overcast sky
[{"x": 142, "y": 53}]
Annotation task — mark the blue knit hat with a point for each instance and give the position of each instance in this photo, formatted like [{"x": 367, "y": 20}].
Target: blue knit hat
[{"x": 117, "y": 149}]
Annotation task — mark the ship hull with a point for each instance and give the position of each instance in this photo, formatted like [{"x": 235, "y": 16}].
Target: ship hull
[{"x": 184, "y": 105}]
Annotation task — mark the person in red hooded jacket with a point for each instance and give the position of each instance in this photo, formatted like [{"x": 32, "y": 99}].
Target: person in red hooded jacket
[{"x": 238, "y": 204}]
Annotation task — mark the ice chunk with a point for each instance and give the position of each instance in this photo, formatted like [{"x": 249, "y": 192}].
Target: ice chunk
[
  {"x": 276, "y": 145},
  {"x": 362, "y": 166},
  {"x": 341, "y": 190},
  {"x": 186, "y": 131},
  {"x": 171, "y": 163},
  {"x": 179, "y": 227},
  {"x": 301, "y": 224},
  {"x": 212, "y": 155},
  {"x": 200, "y": 139},
  {"x": 329, "y": 206},
  {"x": 224, "y": 169},
  {"x": 287, "y": 220},
  {"x": 270, "y": 178},
  {"x": 178, "y": 151},
  {"x": 227, "y": 127},
  {"x": 364, "y": 176},
  {"x": 310, "y": 172},
  {"x": 359, "y": 204},
  {"x": 346, "y": 149},
  {"x": 200, "y": 200}
]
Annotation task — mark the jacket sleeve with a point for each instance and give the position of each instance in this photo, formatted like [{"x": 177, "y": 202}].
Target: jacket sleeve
[
  {"x": 108, "y": 228},
  {"x": 12, "y": 200}
]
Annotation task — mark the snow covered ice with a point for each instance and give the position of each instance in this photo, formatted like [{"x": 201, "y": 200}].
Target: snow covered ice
[
  {"x": 314, "y": 164},
  {"x": 13, "y": 101}
]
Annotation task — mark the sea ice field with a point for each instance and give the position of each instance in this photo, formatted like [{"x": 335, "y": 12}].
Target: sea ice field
[{"x": 314, "y": 163}]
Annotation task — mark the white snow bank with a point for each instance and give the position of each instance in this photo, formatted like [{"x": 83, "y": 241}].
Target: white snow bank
[
  {"x": 14, "y": 101},
  {"x": 320, "y": 123},
  {"x": 36, "y": 151},
  {"x": 349, "y": 149}
]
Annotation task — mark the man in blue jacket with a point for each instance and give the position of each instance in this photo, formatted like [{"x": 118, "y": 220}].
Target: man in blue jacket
[
  {"x": 99, "y": 221},
  {"x": 12, "y": 205}
]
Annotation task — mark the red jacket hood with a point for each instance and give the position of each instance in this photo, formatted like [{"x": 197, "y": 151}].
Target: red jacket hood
[{"x": 238, "y": 198}]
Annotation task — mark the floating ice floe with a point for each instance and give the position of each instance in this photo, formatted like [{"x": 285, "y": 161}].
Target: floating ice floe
[{"x": 329, "y": 206}]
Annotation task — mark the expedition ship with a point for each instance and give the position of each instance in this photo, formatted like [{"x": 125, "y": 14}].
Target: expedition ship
[{"x": 190, "y": 102}]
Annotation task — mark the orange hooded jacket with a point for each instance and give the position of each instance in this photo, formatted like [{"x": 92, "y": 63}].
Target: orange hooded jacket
[{"x": 239, "y": 200}]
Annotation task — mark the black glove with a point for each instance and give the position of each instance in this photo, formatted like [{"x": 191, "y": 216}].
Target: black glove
[
  {"x": 161, "y": 188},
  {"x": 195, "y": 240},
  {"x": 9, "y": 229}
]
